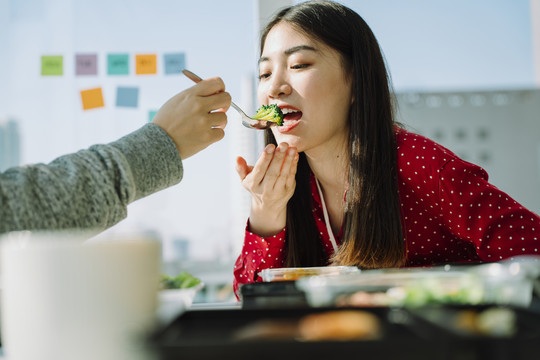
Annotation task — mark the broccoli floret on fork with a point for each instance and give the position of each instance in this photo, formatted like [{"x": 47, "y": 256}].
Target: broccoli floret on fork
[{"x": 270, "y": 113}]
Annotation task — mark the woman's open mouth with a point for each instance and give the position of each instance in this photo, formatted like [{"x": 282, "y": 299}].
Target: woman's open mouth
[{"x": 291, "y": 119}]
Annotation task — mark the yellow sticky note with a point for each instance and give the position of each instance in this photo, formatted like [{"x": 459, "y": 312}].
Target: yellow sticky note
[
  {"x": 145, "y": 64},
  {"x": 92, "y": 98}
]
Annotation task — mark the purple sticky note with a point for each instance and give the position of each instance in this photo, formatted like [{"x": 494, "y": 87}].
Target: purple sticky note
[{"x": 86, "y": 64}]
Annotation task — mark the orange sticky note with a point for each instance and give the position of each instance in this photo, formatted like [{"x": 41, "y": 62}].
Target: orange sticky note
[
  {"x": 145, "y": 64},
  {"x": 92, "y": 98}
]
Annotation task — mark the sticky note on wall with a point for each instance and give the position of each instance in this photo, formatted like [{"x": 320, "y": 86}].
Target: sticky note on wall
[
  {"x": 92, "y": 98},
  {"x": 52, "y": 65},
  {"x": 145, "y": 64},
  {"x": 127, "y": 97},
  {"x": 174, "y": 63},
  {"x": 118, "y": 64},
  {"x": 86, "y": 64},
  {"x": 151, "y": 115}
]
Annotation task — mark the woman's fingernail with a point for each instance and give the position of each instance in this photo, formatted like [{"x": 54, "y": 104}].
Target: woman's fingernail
[{"x": 269, "y": 148}]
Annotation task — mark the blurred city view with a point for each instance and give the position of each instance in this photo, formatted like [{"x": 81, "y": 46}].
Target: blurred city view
[
  {"x": 464, "y": 74},
  {"x": 10, "y": 144}
]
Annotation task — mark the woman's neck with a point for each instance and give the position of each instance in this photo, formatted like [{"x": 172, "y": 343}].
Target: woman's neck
[{"x": 330, "y": 166}]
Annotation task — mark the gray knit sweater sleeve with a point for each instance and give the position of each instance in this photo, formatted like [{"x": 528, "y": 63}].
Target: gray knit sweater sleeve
[{"x": 89, "y": 189}]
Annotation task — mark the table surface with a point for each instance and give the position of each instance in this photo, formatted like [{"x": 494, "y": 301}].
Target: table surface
[{"x": 217, "y": 306}]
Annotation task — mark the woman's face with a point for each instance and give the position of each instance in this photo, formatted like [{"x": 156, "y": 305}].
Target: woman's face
[{"x": 305, "y": 78}]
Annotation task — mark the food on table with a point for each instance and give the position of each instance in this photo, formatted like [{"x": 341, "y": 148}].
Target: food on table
[
  {"x": 340, "y": 325},
  {"x": 364, "y": 299},
  {"x": 295, "y": 273},
  {"x": 271, "y": 113},
  {"x": 464, "y": 290},
  {"x": 493, "y": 321},
  {"x": 183, "y": 280},
  {"x": 268, "y": 330}
]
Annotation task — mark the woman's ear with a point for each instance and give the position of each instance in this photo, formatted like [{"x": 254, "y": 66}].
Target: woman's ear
[{"x": 350, "y": 79}]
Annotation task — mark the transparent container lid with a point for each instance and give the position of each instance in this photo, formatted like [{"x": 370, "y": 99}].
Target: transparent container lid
[
  {"x": 508, "y": 282},
  {"x": 295, "y": 273}
]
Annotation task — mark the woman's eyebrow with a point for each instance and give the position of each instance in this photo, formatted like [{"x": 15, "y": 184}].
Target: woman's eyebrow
[
  {"x": 299, "y": 48},
  {"x": 291, "y": 51}
]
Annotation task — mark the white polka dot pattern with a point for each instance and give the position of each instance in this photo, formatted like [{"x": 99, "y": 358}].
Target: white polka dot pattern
[{"x": 450, "y": 213}]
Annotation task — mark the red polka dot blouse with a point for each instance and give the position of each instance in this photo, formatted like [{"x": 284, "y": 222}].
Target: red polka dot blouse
[{"x": 450, "y": 213}]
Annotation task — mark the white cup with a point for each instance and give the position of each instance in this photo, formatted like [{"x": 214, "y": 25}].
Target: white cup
[{"x": 66, "y": 299}]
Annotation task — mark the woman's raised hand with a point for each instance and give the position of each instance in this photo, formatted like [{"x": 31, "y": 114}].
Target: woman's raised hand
[{"x": 271, "y": 183}]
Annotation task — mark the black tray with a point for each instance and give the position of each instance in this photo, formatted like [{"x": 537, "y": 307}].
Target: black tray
[
  {"x": 210, "y": 334},
  {"x": 272, "y": 295},
  {"x": 523, "y": 344},
  {"x": 407, "y": 334}
]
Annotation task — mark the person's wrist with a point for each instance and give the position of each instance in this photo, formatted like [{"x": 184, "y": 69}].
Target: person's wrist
[
  {"x": 181, "y": 151},
  {"x": 267, "y": 221},
  {"x": 269, "y": 209}
]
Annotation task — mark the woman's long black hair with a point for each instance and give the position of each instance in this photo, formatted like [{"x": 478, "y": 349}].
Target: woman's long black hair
[{"x": 372, "y": 232}]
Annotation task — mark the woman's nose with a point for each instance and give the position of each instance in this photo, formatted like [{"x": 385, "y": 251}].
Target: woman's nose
[{"x": 279, "y": 87}]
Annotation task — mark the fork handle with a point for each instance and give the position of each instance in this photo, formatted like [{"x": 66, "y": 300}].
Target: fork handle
[
  {"x": 246, "y": 120},
  {"x": 191, "y": 76},
  {"x": 197, "y": 79},
  {"x": 238, "y": 109}
]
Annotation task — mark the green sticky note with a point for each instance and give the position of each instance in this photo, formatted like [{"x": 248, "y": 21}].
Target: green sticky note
[
  {"x": 118, "y": 64},
  {"x": 52, "y": 65},
  {"x": 151, "y": 115}
]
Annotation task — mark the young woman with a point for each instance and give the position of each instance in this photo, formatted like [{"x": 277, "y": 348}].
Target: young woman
[{"x": 346, "y": 185}]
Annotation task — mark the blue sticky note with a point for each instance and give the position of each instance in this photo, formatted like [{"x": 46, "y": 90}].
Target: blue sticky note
[
  {"x": 127, "y": 97},
  {"x": 151, "y": 115},
  {"x": 118, "y": 64},
  {"x": 174, "y": 63}
]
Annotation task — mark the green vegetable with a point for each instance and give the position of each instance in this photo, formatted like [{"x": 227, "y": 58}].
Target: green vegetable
[
  {"x": 467, "y": 290},
  {"x": 270, "y": 113},
  {"x": 183, "y": 281}
]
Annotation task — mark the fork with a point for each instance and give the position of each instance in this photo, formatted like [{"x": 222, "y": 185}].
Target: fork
[{"x": 246, "y": 120}]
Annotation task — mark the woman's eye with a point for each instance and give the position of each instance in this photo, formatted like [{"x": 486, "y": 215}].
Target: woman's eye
[
  {"x": 300, "y": 66},
  {"x": 264, "y": 76}
]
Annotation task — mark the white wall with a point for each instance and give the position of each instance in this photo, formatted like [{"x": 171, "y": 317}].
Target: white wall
[
  {"x": 535, "y": 20},
  {"x": 440, "y": 45},
  {"x": 4, "y": 38},
  {"x": 217, "y": 38}
]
